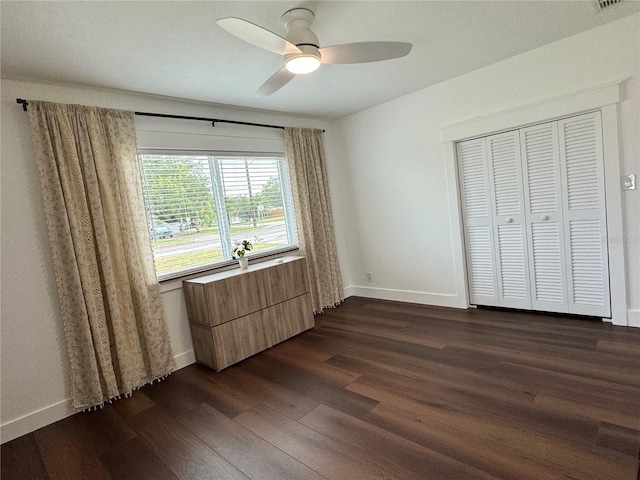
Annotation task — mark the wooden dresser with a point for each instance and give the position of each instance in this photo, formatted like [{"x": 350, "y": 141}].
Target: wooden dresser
[{"x": 238, "y": 313}]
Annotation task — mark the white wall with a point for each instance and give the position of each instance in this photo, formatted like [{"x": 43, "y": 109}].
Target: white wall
[
  {"x": 396, "y": 185},
  {"x": 34, "y": 380}
]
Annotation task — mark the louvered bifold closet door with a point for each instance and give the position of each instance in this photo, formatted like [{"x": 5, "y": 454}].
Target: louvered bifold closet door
[
  {"x": 505, "y": 175},
  {"x": 584, "y": 214},
  {"x": 544, "y": 219},
  {"x": 477, "y": 217}
]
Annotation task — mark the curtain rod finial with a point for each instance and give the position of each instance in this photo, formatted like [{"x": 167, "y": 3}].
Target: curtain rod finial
[{"x": 23, "y": 102}]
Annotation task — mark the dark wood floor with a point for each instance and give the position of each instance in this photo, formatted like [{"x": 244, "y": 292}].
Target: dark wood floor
[{"x": 378, "y": 390}]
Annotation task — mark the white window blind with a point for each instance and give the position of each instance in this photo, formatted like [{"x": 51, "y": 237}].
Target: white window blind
[{"x": 200, "y": 206}]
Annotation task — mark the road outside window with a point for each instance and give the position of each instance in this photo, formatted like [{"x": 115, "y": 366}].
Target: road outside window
[{"x": 200, "y": 206}]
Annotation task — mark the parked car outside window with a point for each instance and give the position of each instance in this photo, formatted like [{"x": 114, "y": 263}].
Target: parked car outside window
[{"x": 162, "y": 231}]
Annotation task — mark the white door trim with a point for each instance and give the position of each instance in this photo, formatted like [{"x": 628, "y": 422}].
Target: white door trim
[{"x": 604, "y": 98}]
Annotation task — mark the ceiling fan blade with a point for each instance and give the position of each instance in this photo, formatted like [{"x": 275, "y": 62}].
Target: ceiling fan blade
[
  {"x": 364, "y": 52},
  {"x": 275, "y": 82},
  {"x": 257, "y": 35}
]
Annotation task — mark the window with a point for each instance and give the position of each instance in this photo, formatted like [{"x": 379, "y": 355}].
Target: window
[{"x": 199, "y": 206}]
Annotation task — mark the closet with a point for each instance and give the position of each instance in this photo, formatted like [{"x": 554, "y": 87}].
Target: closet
[{"x": 534, "y": 217}]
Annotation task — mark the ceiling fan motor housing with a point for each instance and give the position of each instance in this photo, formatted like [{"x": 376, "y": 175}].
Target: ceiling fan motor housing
[{"x": 298, "y": 21}]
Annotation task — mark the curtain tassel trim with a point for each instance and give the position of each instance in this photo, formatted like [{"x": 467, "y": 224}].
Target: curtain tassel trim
[
  {"x": 94, "y": 408},
  {"x": 318, "y": 312}
]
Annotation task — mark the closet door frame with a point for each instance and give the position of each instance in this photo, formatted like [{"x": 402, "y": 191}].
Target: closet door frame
[{"x": 604, "y": 98}]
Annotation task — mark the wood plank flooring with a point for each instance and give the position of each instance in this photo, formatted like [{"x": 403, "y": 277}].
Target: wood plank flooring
[{"x": 378, "y": 390}]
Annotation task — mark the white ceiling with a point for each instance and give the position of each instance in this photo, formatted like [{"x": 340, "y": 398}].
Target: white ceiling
[{"x": 175, "y": 48}]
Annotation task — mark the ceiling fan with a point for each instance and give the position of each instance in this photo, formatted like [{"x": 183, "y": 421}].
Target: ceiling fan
[{"x": 301, "y": 49}]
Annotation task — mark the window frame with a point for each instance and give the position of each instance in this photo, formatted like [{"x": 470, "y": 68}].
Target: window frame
[{"x": 288, "y": 208}]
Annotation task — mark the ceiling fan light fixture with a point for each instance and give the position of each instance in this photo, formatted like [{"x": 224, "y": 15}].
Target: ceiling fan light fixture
[
  {"x": 301, "y": 64},
  {"x": 301, "y": 48}
]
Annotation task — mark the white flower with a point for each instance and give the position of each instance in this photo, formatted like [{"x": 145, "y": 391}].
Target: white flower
[{"x": 242, "y": 248}]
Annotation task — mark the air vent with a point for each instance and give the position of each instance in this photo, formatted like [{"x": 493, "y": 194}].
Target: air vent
[{"x": 602, "y": 4}]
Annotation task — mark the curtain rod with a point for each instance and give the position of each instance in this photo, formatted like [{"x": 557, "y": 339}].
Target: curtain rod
[{"x": 213, "y": 121}]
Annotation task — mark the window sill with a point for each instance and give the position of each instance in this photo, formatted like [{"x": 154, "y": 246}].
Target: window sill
[{"x": 175, "y": 283}]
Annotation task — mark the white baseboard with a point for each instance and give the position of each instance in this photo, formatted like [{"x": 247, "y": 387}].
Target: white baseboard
[
  {"x": 424, "y": 298},
  {"x": 633, "y": 318},
  {"x": 441, "y": 300},
  {"x": 35, "y": 420},
  {"x": 62, "y": 409},
  {"x": 184, "y": 359}
]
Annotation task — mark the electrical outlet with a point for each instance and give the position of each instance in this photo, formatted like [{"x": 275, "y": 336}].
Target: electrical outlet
[
  {"x": 629, "y": 182},
  {"x": 369, "y": 276}
]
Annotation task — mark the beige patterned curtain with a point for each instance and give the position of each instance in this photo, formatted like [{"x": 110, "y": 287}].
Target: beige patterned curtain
[
  {"x": 109, "y": 294},
  {"x": 308, "y": 171}
]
